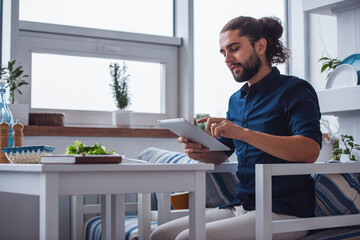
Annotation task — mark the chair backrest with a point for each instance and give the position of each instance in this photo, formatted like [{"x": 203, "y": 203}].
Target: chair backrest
[{"x": 265, "y": 227}]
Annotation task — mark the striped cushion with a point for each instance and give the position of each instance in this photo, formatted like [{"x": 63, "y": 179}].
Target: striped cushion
[
  {"x": 344, "y": 233},
  {"x": 93, "y": 227},
  {"x": 336, "y": 194},
  {"x": 220, "y": 187}
]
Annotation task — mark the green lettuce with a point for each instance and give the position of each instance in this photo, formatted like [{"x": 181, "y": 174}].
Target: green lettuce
[{"x": 79, "y": 148}]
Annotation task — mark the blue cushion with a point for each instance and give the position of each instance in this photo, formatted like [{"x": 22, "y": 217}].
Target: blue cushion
[
  {"x": 343, "y": 233},
  {"x": 220, "y": 187},
  {"x": 336, "y": 194},
  {"x": 93, "y": 227}
]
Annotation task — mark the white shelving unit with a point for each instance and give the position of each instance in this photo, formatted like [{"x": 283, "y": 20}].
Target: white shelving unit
[
  {"x": 329, "y": 7},
  {"x": 342, "y": 102}
]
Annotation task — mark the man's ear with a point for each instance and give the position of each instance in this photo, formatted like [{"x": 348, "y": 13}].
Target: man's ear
[{"x": 261, "y": 46}]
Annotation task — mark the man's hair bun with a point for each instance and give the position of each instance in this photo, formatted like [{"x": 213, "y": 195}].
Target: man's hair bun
[{"x": 272, "y": 27}]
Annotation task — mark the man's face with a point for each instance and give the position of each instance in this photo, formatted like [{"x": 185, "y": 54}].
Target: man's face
[{"x": 240, "y": 56}]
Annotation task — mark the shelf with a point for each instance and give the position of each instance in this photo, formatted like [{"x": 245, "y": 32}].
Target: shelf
[
  {"x": 338, "y": 101},
  {"x": 33, "y": 130},
  {"x": 329, "y": 7}
]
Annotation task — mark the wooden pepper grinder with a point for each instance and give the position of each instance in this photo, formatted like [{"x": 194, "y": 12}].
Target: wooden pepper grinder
[
  {"x": 4, "y": 138},
  {"x": 18, "y": 134}
]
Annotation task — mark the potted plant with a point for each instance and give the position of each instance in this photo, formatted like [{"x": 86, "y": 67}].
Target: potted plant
[
  {"x": 120, "y": 90},
  {"x": 345, "y": 152},
  {"x": 13, "y": 75},
  {"x": 329, "y": 63}
]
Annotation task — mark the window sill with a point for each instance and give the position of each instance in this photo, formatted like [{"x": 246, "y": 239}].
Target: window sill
[{"x": 33, "y": 130}]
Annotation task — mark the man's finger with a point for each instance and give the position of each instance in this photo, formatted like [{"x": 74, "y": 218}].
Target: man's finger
[
  {"x": 182, "y": 140},
  {"x": 201, "y": 120}
]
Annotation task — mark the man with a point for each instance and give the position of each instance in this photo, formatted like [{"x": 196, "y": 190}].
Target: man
[{"x": 273, "y": 118}]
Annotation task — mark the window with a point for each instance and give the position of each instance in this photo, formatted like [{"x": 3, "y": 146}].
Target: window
[
  {"x": 214, "y": 83},
  {"x": 69, "y": 69},
  {"x": 140, "y": 16},
  {"x": 91, "y": 91}
]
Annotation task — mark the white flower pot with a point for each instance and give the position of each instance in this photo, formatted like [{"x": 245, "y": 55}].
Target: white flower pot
[
  {"x": 122, "y": 118},
  {"x": 20, "y": 112}
]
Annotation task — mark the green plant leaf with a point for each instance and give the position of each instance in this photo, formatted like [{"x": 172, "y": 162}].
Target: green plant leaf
[
  {"x": 14, "y": 79},
  {"x": 323, "y": 58},
  {"x": 324, "y": 67}
]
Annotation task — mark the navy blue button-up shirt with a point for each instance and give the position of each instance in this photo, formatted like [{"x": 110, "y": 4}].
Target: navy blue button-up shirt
[{"x": 283, "y": 106}]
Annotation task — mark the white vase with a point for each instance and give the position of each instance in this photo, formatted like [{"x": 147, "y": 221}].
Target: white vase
[
  {"x": 20, "y": 112},
  {"x": 122, "y": 118}
]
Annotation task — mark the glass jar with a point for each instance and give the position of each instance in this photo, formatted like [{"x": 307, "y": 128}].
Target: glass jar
[{"x": 5, "y": 113}]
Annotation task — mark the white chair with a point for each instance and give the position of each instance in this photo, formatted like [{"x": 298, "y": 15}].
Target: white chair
[{"x": 265, "y": 226}]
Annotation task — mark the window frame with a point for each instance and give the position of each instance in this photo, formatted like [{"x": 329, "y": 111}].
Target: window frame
[
  {"x": 183, "y": 41},
  {"x": 77, "y": 41}
]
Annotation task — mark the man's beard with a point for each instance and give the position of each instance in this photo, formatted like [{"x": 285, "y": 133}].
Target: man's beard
[{"x": 249, "y": 68}]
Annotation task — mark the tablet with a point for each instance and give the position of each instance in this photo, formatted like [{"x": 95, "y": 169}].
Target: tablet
[{"x": 183, "y": 128}]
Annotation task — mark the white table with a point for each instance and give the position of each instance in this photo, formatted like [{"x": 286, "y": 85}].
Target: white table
[{"x": 50, "y": 181}]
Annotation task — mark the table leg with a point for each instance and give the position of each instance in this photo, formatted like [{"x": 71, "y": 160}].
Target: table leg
[
  {"x": 49, "y": 206},
  {"x": 164, "y": 208},
  {"x": 144, "y": 216},
  {"x": 263, "y": 202},
  {"x": 118, "y": 216},
  {"x": 105, "y": 217},
  {"x": 197, "y": 208}
]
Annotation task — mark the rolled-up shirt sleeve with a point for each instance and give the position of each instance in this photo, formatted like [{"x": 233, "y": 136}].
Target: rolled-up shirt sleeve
[{"x": 302, "y": 112}]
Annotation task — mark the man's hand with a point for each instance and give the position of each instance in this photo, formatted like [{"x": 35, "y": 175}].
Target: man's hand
[
  {"x": 194, "y": 150},
  {"x": 197, "y": 152},
  {"x": 221, "y": 127}
]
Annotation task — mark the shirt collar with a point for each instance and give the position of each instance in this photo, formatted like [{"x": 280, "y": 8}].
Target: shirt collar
[{"x": 263, "y": 84}]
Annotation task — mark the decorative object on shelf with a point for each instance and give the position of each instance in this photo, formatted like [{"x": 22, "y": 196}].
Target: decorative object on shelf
[
  {"x": 122, "y": 118},
  {"x": 329, "y": 63},
  {"x": 14, "y": 80},
  {"x": 5, "y": 114},
  {"x": 343, "y": 76},
  {"x": 46, "y": 119},
  {"x": 345, "y": 153},
  {"x": 121, "y": 94},
  {"x": 4, "y": 136},
  {"x": 18, "y": 134},
  {"x": 28, "y": 154},
  {"x": 353, "y": 60}
]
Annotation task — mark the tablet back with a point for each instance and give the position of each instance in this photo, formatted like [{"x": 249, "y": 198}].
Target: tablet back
[{"x": 183, "y": 128}]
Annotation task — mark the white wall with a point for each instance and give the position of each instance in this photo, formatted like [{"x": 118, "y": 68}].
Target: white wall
[{"x": 322, "y": 32}]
